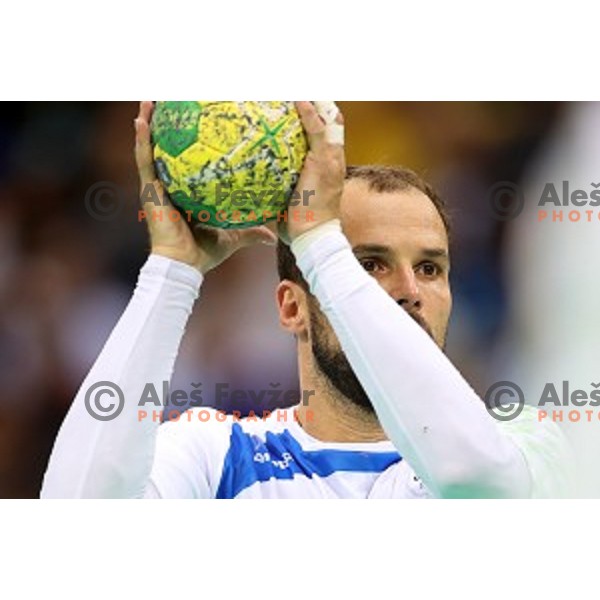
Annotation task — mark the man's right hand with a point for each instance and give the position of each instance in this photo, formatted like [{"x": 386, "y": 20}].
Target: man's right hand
[{"x": 199, "y": 246}]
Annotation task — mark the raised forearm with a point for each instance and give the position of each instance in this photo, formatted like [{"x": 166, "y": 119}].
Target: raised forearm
[
  {"x": 428, "y": 410},
  {"x": 113, "y": 459}
]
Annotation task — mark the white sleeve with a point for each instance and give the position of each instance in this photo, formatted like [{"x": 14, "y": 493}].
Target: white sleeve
[
  {"x": 548, "y": 454},
  {"x": 113, "y": 459},
  {"x": 430, "y": 413}
]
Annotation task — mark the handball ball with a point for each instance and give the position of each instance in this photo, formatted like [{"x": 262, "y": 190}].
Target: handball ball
[{"x": 228, "y": 164}]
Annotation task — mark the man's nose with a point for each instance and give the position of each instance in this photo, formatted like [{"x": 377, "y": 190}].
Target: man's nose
[{"x": 405, "y": 289}]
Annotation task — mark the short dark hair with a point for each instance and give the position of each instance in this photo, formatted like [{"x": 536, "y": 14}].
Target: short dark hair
[{"x": 380, "y": 178}]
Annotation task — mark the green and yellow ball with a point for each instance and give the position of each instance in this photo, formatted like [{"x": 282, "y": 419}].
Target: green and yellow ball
[{"x": 228, "y": 164}]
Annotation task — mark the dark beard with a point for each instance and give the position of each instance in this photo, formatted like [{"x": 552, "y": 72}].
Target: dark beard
[{"x": 334, "y": 365}]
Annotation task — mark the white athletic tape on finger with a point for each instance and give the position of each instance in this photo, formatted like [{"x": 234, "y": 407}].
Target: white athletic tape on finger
[
  {"x": 334, "y": 134},
  {"x": 328, "y": 111}
]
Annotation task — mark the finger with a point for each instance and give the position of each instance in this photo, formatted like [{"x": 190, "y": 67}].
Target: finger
[
  {"x": 152, "y": 193},
  {"x": 272, "y": 227},
  {"x": 334, "y": 121},
  {"x": 257, "y": 235},
  {"x": 143, "y": 150},
  {"x": 327, "y": 110},
  {"x": 313, "y": 124},
  {"x": 146, "y": 110}
]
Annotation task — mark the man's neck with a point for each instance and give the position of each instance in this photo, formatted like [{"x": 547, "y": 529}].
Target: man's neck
[{"x": 330, "y": 417}]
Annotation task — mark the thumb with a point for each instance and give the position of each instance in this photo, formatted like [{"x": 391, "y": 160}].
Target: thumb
[{"x": 257, "y": 235}]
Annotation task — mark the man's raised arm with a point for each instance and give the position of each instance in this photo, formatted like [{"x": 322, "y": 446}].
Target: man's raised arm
[
  {"x": 113, "y": 458},
  {"x": 93, "y": 458},
  {"x": 431, "y": 414}
]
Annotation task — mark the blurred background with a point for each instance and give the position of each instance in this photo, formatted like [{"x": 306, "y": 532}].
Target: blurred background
[{"x": 65, "y": 277}]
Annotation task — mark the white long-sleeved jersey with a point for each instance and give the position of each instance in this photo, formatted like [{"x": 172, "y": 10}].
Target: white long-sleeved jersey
[{"x": 442, "y": 441}]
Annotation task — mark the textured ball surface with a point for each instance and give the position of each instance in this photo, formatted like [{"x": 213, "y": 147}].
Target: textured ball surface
[{"x": 228, "y": 164}]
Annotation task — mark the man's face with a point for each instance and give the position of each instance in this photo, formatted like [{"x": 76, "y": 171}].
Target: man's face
[{"x": 400, "y": 239}]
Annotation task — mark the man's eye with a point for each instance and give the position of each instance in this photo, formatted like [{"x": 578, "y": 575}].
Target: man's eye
[
  {"x": 429, "y": 269},
  {"x": 370, "y": 265}
]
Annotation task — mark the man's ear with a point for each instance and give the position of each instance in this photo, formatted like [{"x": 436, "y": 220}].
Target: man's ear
[{"x": 292, "y": 304}]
